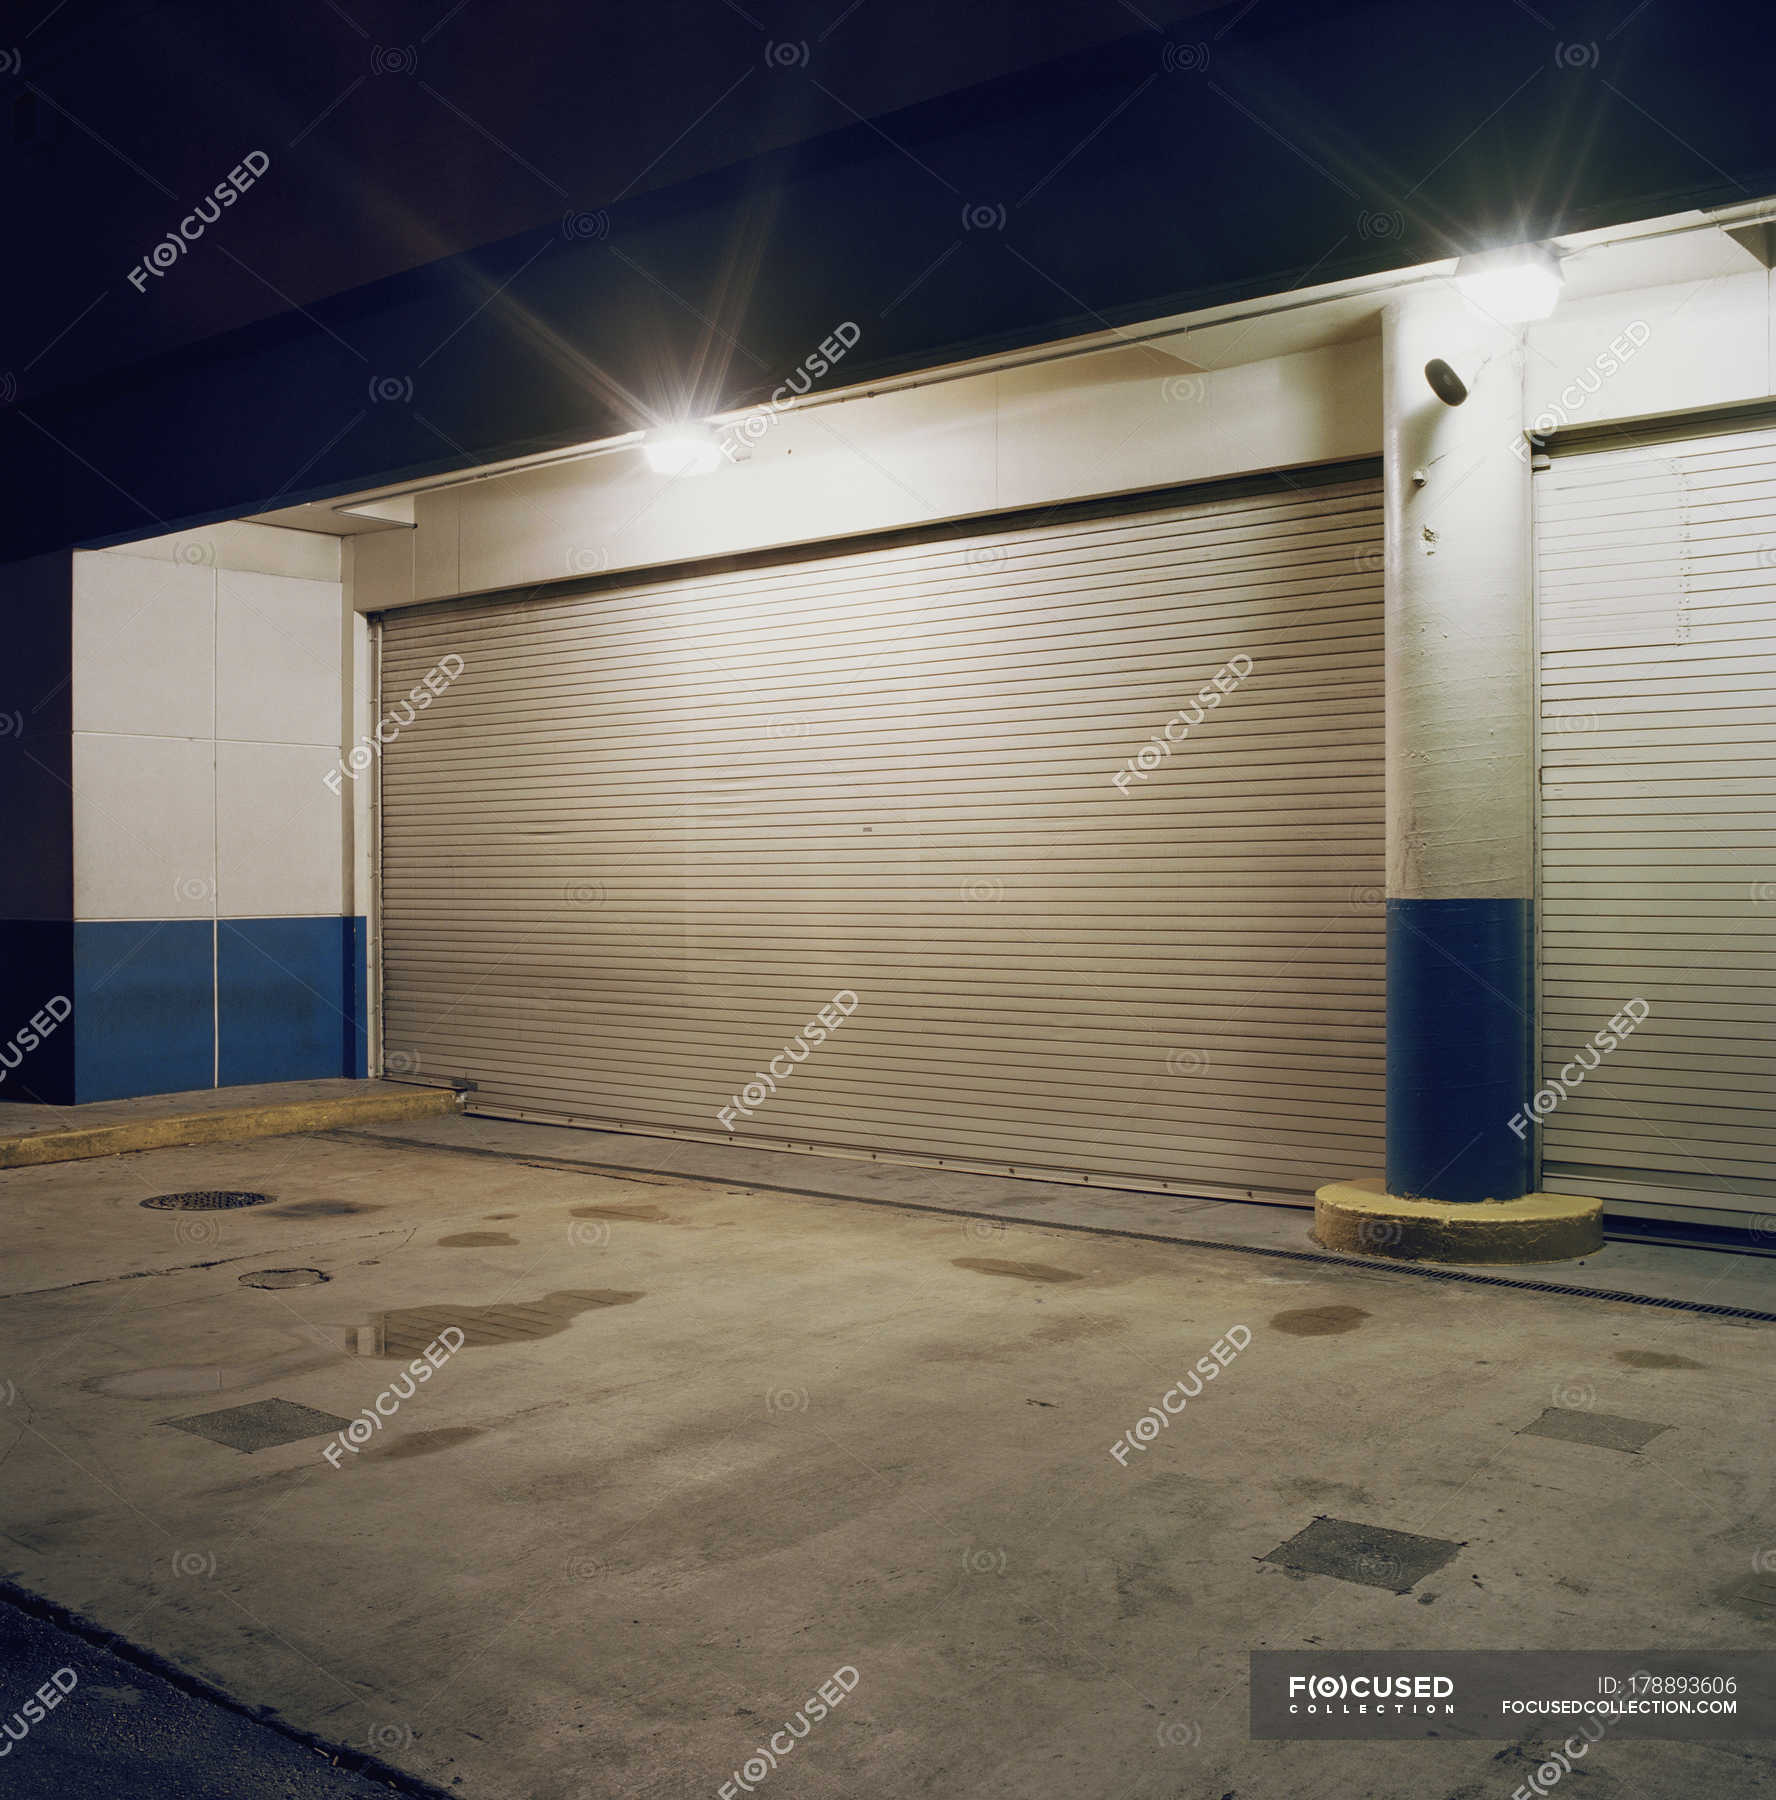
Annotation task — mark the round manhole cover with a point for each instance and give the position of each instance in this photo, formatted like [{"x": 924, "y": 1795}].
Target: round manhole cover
[
  {"x": 282, "y": 1278},
  {"x": 206, "y": 1200}
]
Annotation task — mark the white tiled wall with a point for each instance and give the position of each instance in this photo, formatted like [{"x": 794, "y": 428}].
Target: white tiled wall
[
  {"x": 279, "y": 831},
  {"x": 144, "y": 826},
  {"x": 144, "y": 647},
  {"x": 209, "y": 702}
]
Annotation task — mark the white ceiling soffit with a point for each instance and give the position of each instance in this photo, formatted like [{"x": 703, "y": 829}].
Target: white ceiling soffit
[{"x": 343, "y": 518}]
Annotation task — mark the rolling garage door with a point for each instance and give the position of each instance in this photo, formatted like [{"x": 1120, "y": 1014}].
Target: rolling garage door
[
  {"x": 653, "y": 829},
  {"x": 1657, "y": 594}
]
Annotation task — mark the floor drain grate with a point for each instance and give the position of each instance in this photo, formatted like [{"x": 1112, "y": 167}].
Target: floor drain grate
[
  {"x": 206, "y": 1200},
  {"x": 282, "y": 1278}
]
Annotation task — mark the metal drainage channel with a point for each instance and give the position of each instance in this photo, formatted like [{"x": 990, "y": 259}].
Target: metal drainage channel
[
  {"x": 207, "y": 1200},
  {"x": 1324, "y": 1258},
  {"x": 1426, "y": 1272}
]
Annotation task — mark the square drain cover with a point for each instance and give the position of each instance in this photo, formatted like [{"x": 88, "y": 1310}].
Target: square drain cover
[
  {"x": 1368, "y": 1554},
  {"x": 262, "y": 1425},
  {"x": 1603, "y": 1429}
]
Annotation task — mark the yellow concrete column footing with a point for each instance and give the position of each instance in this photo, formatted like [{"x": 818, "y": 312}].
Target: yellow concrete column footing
[{"x": 1363, "y": 1219}]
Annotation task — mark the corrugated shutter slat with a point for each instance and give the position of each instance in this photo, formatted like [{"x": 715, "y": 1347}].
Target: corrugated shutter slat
[
  {"x": 1657, "y": 599},
  {"x": 652, "y": 829}
]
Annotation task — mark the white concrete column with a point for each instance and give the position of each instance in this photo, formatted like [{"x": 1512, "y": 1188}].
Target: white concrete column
[{"x": 1460, "y": 764}]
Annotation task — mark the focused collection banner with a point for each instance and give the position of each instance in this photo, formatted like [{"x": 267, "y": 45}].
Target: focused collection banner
[{"x": 1701, "y": 1694}]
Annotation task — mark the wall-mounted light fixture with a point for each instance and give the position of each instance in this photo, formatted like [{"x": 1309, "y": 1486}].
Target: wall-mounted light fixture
[
  {"x": 1445, "y": 383},
  {"x": 685, "y": 449},
  {"x": 1514, "y": 285}
]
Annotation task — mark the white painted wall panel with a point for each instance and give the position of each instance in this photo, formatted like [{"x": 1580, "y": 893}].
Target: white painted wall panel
[
  {"x": 279, "y": 833},
  {"x": 1109, "y": 422},
  {"x": 1704, "y": 343},
  {"x": 279, "y": 659},
  {"x": 177, "y": 663},
  {"x": 143, "y": 646},
  {"x": 144, "y": 827}
]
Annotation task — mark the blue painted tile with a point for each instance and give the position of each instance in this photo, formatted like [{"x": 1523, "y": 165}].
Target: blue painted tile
[
  {"x": 142, "y": 1012},
  {"x": 289, "y": 999}
]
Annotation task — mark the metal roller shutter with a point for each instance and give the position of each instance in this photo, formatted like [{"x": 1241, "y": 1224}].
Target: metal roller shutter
[
  {"x": 653, "y": 828},
  {"x": 1657, "y": 596}
]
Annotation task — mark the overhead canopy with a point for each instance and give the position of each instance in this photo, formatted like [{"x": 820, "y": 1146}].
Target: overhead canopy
[{"x": 1249, "y": 150}]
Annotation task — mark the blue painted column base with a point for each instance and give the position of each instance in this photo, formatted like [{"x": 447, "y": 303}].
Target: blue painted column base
[{"x": 1460, "y": 1006}]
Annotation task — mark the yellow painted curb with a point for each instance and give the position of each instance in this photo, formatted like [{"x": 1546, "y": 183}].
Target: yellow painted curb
[
  {"x": 218, "y": 1125},
  {"x": 1363, "y": 1219}
]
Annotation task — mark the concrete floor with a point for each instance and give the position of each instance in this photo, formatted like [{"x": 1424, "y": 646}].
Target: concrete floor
[{"x": 706, "y": 1444}]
